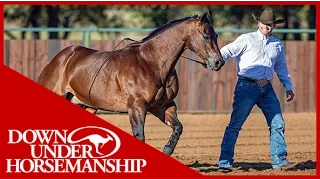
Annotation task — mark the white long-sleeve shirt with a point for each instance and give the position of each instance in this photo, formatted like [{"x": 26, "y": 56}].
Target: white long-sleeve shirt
[{"x": 257, "y": 57}]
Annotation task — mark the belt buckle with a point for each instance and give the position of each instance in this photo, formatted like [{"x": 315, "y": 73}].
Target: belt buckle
[{"x": 262, "y": 82}]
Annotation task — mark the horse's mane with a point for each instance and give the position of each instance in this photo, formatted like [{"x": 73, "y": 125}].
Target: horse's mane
[{"x": 165, "y": 26}]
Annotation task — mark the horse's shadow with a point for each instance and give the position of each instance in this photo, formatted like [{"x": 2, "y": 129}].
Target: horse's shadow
[{"x": 245, "y": 166}]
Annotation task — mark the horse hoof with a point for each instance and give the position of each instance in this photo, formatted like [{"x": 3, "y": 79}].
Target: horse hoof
[{"x": 167, "y": 150}]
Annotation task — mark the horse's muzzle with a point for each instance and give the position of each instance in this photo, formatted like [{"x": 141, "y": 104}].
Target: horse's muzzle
[{"x": 215, "y": 64}]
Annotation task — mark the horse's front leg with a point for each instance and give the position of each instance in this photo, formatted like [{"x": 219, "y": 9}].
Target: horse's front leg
[
  {"x": 168, "y": 115},
  {"x": 137, "y": 115}
]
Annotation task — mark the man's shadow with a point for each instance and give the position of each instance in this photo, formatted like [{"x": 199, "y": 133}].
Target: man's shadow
[{"x": 245, "y": 166}]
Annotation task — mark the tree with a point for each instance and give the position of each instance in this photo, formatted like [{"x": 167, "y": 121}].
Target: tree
[
  {"x": 312, "y": 20},
  {"x": 149, "y": 16},
  {"x": 53, "y": 19}
]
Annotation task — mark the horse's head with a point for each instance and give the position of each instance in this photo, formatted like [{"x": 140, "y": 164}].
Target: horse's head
[{"x": 203, "y": 42}]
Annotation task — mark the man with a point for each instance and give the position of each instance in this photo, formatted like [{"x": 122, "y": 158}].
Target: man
[{"x": 258, "y": 54}]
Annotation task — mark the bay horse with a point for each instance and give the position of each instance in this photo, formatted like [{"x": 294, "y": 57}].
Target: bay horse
[{"x": 137, "y": 79}]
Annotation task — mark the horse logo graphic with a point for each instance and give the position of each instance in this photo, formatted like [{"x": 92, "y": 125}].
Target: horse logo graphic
[{"x": 97, "y": 139}]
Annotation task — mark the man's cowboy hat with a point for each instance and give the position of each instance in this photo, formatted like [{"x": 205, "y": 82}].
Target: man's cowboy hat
[{"x": 268, "y": 17}]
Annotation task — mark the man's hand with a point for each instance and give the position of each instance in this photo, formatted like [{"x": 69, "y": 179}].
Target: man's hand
[{"x": 291, "y": 94}]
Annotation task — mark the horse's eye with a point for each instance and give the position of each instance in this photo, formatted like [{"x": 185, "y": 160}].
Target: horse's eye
[{"x": 206, "y": 36}]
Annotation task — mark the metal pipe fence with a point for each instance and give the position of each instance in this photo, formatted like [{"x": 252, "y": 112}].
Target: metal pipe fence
[{"x": 87, "y": 32}]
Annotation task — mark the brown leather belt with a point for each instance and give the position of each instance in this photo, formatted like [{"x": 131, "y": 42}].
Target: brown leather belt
[{"x": 259, "y": 82}]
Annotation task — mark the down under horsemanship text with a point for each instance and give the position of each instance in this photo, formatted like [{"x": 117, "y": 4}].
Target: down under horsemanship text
[
  {"x": 79, "y": 166},
  {"x": 62, "y": 157}
]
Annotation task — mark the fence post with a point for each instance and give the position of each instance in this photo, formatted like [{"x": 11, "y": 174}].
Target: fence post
[
  {"x": 83, "y": 38},
  {"x": 89, "y": 38}
]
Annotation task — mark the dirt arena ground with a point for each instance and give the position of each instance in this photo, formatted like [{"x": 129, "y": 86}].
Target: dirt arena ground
[{"x": 199, "y": 144}]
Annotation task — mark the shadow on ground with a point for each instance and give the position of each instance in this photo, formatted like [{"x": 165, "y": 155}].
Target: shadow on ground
[{"x": 246, "y": 167}]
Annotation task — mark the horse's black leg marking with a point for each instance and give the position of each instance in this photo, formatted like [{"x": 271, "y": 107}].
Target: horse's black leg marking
[
  {"x": 137, "y": 116},
  {"x": 168, "y": 115},
  {"x": 68, "y": 96},
  {"x": 171, "y": 119},
  {"x": 83, "y": 106},
  {"x": 173, "y": 140}
]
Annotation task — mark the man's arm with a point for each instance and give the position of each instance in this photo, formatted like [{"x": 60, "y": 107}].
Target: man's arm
[
  {"x": 235, "y": 48},
  {"x": 282, "y": 71}
]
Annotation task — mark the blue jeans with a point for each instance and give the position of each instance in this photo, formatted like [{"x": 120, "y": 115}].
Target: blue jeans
[{"x": 246, "y": 95}]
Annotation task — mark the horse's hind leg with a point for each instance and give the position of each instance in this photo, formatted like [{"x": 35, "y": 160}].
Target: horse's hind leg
[
  {"x": 168, "y": 115},
  {"x": 68, "y": 96},
  {"x": 87, "y": 108},
  {"x": 137, "y": 115}
]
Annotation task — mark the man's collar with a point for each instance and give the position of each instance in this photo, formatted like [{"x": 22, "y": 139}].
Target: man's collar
[{"x": 261, "y": 36}]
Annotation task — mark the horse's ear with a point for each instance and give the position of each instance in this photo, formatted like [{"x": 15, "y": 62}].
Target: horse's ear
[{"x": 206, "y": 18}]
